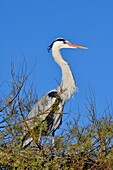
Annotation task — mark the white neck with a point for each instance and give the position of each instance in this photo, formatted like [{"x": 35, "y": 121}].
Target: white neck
[{"x": 67, "y": 86}]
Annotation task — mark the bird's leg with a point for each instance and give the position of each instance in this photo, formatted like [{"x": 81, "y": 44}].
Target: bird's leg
[
  {"x": 53, "y": 140},
  {"x": 39, "y": 139},
  {"x": 53, "y": 144}
]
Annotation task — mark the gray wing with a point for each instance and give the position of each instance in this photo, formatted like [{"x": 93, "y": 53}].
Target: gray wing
[{"x": 43, "y": 107}]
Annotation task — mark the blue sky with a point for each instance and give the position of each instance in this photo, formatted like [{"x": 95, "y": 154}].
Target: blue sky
[{"x": 29, "y": 27}]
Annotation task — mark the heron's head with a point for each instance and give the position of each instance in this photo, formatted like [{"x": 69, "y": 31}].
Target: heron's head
[{"x": 62, "y": 43}]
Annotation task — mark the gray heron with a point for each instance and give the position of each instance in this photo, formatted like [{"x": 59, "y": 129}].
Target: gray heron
[{"x": 50, "y": 107}]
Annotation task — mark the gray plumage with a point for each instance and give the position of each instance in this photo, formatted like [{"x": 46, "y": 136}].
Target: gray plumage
[{"x": 50, "y": 107}]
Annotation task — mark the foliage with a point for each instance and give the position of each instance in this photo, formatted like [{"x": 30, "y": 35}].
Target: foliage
[{"x": 76, "y": 147}]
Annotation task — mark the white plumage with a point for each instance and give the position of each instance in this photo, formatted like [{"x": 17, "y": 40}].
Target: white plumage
[{"x": 50, "y": 107}]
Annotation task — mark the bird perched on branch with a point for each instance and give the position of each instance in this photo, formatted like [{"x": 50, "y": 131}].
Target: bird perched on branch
[{"x": 49, "y": 108}]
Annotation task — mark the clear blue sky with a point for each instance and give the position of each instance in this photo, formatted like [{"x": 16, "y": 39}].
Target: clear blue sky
[{"x": 30, "y": 26}]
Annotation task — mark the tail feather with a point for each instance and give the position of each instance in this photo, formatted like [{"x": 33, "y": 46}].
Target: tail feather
[{"x": 26, "y": 141}]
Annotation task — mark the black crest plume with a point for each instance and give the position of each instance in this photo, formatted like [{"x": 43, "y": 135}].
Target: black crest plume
[
  {"x": 50, "y": 46},
  {"x": 58, "y": 39}
]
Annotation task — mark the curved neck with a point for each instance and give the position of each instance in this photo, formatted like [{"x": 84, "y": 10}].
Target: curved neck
[{"x": 67, "y": 86}]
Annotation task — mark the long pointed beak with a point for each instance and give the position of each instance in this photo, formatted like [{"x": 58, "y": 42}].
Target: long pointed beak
[{"x": 76, "y": 46}]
